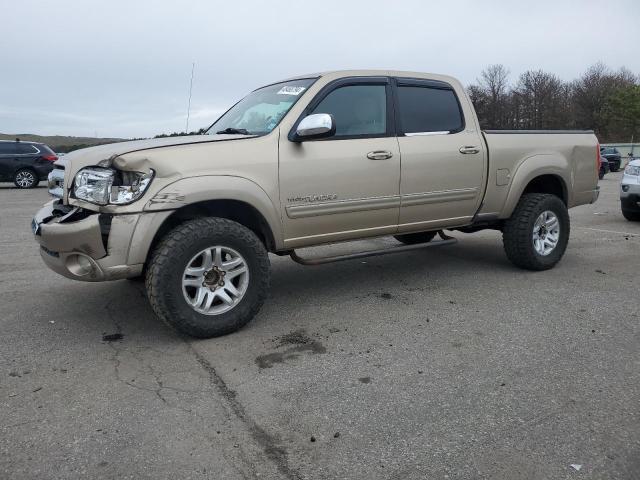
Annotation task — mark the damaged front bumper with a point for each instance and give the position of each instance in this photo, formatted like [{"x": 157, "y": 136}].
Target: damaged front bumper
[{"x": 85, "y": 245}]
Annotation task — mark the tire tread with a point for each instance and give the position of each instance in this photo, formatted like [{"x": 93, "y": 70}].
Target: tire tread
[
  {"x": 177, "y": 242},
  {"x": 516, "y": 233}
]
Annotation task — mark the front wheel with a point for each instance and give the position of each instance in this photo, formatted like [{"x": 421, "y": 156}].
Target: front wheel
[
  {"x": 208, "y": 277},
  {"x": 536, "y": 235}
]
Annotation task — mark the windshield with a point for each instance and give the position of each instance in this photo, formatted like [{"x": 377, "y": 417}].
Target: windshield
[{"x": 260, "y": 112}]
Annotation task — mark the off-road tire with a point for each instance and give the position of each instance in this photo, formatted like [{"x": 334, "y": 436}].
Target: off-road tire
[
  {"x": 631, "y": 216},
  {"x": 36, "y": 180},
  {"x": 414, "y": 238},
  {"x": 169, "y": 259},
  {"x": 517, "y": 233}
]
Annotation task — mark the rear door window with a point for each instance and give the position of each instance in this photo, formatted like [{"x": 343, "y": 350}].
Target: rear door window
[{"x": 428, "y": 110}]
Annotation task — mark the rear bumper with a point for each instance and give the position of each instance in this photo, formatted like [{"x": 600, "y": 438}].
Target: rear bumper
[
  {"x": 84, "y": 245},
  {"x": 614, "y": 162}
]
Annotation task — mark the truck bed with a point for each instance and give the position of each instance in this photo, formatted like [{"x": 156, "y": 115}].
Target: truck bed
[{"x": 517, "y": 155}]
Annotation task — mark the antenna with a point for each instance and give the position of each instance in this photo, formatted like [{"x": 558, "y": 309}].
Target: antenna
[{"x": 193, "y": 66}]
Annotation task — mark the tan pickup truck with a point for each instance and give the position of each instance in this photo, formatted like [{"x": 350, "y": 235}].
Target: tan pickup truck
[{"x": 314, "y": 159}]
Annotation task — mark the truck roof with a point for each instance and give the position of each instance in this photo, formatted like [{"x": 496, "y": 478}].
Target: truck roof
[{"x": 334, "y": 74}]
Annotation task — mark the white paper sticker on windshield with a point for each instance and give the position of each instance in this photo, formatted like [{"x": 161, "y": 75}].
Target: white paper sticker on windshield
[{"x": 286, "y": 90}]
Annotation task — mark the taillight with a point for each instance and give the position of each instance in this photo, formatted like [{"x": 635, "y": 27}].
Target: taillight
[{"x": 50, "y": 158}]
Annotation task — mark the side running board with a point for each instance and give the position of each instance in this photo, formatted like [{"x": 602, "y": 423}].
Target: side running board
[{"x": 445, "y": 240}]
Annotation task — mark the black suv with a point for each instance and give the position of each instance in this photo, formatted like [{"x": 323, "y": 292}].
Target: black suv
[
  {"x": 613, "y": 157},
  {"x": 25, "y": 163}
]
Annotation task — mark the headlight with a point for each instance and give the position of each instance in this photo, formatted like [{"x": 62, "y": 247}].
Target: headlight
[
  {"x": 129, "y": 186},
  {"x": 104, "y": 186},
  {"x": 94, "y": 185},
  {"x": 632, "y": 170}
]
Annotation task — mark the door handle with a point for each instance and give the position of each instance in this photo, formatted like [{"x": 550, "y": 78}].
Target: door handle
[
  {"x": 469, "y": 149},
  {"x": 379, "y": 155}
]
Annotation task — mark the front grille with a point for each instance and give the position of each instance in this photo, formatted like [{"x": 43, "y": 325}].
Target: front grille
[{"x": 56, "y": 182}]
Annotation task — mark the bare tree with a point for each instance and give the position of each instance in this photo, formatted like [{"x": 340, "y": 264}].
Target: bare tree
[
  {"x": 494, "y": 82},
  {"x": 491, "y": 96},
  {"x": 599, "y": 100},
  {"x": 540, "y": 98}
]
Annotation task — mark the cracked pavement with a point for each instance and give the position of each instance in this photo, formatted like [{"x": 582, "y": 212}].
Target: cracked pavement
[{"x": 445, "y": 363}]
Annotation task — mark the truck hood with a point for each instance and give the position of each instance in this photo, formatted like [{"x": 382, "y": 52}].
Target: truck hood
[{"x": 86, "y": 157}]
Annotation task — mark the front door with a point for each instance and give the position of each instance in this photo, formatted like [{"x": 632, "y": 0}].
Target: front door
[{"x": 345, "y": 186}]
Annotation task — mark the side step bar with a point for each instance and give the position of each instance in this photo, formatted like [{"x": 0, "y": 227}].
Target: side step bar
[{"x": 446, "y": 240}]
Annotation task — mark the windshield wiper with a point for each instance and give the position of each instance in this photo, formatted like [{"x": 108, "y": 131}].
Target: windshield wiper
[{"x": 234, "y": 131}]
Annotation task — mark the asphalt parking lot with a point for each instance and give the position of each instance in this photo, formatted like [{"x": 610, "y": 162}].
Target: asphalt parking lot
[{"x": 442, "y": 363}]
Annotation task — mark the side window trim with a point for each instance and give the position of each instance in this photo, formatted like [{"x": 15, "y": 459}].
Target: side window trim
[
  {"x": 398, "y": 82},
  {"x": 426, "y": 134},
  {"x": 348, "y": 82}
]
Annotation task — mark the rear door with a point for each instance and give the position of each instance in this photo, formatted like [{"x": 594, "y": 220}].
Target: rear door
[
  {"x": 7, "y": 159},
  {"x": 443, "y": 156}
]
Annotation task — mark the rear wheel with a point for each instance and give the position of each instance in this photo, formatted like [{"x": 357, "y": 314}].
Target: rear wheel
[
  {"x": 208, "y": 277},
  {"x": 601, "y": 175},
  {"x": 25, "y": 178},
  {"x": 414, "y": 238},
  {"x": 536, "y": 235}
]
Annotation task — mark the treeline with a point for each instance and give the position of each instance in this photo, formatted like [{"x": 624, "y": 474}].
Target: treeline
[
  {"x": 602, "y": 100},
  {"x": 181, "y": 134}
]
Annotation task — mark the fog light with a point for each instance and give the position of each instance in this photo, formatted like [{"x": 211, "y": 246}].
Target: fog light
[
  {"x": 79, "y": 265},
  {"x": 625, "y": 188}
]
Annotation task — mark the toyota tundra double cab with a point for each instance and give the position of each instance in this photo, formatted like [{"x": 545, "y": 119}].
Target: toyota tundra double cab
[{"x": 315, "y": 159}]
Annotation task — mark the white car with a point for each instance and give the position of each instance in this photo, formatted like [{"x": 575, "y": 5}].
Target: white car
[{"x": 630, "y": 191}]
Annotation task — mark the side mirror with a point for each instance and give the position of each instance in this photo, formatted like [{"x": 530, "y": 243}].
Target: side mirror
[{"x": 318, "y": 125}]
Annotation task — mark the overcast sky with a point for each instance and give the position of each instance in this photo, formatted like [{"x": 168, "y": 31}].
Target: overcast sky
[{"x": 121, "y": 68}]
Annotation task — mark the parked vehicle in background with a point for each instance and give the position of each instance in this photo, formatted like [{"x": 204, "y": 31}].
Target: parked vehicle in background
[
  {"x": 613, "y": 156},
  {"x": 630, "y": 191},
  {"x": 25, "y": 163},
  {"x": 604, "y": 167},
  {"x": 308, "y": 161}
]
